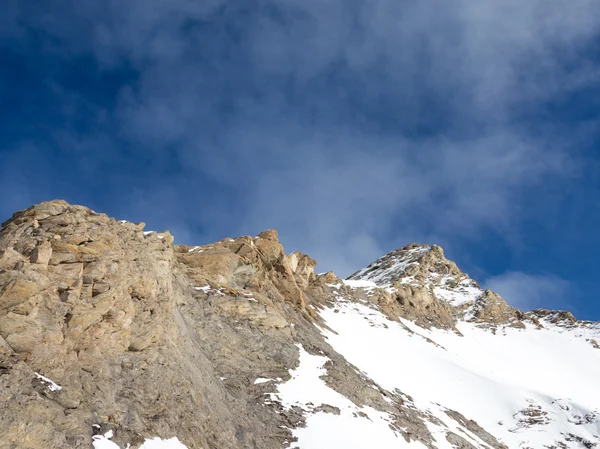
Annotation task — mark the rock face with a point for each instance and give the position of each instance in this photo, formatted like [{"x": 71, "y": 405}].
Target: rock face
[
  {"x": 426, "y": 287},
  {"x": 105, "y": 328},
  {"x": 146, "y": 338}
]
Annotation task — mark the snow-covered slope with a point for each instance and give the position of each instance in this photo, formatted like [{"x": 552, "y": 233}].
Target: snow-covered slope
[
  {"x": 528, "y": 387},
  {"x": 478, "y": 385}
]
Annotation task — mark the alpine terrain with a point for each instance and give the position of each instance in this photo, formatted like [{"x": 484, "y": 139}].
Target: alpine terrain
[{"x": 114, "y": 337}]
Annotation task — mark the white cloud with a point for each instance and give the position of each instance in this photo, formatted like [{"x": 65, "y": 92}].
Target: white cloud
[
  {"x": 527, "y": 291},
  {"x": 243, "y": 100}
]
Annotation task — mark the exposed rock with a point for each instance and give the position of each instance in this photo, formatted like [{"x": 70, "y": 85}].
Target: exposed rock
[
  {"x": 41, "y": 254},
  {"x": 491, "y": 308},
  {"x": 105, "y": 327},
  {"x": 458, "y": 442},
  {"x": 472, "y": 426},
  {"x": 138, "y": 333},
  {"x": 433, "y": 291}
]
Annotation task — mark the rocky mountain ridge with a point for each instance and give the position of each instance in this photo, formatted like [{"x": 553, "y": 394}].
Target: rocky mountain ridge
[
  {"x": 422, "y": 272},
  {"x": 110, "y": 335}
]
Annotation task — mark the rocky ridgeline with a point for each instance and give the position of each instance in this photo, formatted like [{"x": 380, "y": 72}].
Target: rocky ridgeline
[
  {"x": 111, "y": 314},
  {"x": 424, "y": 286},
  {"x": 145, "y": 338},
  {"x": 417, "y": 282},
  {"x": 105, "y": 327}
]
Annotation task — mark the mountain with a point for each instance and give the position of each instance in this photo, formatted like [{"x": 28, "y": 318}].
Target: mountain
[{"x": 114, "y": 337}]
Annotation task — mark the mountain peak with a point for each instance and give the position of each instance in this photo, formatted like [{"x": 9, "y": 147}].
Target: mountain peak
[
  {"x": 393, "y": 266},
  {"x": 433, "y": 291},
  {"x": 260, "y": 351},
  {"x": 418, "y": 265}
]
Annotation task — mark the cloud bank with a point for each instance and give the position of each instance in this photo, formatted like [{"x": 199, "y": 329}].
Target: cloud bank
[
  {"x": 352, "y": 127},
  {"x": 528, "y": 292}
]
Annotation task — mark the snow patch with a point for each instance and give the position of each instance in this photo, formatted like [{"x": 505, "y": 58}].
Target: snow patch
[
  {"x": 469, "y": 373},
  {"x": 465, "y": 292},
  {"x": 354, "y": 428},
  {"x": 103, "y": 442},
  {"x": 262, "y": 380},
  {"x": 360, "y": 283},
  {"x": 158, "y": 443},
  {"x": 209, "y": 289},
  {"x": 52, "y": 386},
  {"x": 390, "y": 267}
]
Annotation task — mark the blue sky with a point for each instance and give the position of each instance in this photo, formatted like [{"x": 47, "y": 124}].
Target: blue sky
[{"x": 353, "y": 127}]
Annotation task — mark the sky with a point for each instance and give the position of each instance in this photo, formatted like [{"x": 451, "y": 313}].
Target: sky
[{"x": 352, "y": 127}]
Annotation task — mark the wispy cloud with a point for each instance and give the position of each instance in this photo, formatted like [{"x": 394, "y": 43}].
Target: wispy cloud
[
  {"x": 352, "y": 127},
  {"x": 527, "y": 291}
]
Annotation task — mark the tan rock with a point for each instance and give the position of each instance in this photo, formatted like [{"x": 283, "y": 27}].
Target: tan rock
[
  {"x": 41, "y": 254},
  {"x": 492, "y": 308},
  {"x": 69, "y": 274},
  {"x": 16, "y": 291},
  {"x": 303, "y": 268},
  {"x": 9, "y": 258}
]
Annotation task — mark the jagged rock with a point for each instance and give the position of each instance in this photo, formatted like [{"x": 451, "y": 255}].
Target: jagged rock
[
  {"x": 458, "y": 442},
  {"x": 41, "y": 254},
  {"x": 491, "y": 308},
  {"x": 559, "y": 317},
  {"x": 115, "y": 304},
  {"x": 429, "y": 288},
  {"x": 145, "y": 338}
]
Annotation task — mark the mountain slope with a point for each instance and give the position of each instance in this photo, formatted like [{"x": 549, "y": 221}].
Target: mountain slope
[
  {"x": 113, "y": 336},
  {"x": 531, "y": 381}
]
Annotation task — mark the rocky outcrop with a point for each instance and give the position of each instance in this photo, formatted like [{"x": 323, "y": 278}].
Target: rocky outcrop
[
  {"x": 107, "y": 312},
  {"x": 432, "y": 291},
  {"x": 107, "y": 327},
  {"x": 251, "y": 263},
  {"x": 144, "y": 338},
  {"x": 414, "y": 263}
]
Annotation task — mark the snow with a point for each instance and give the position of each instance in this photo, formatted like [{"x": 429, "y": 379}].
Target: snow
[
  {"x": 262, "y": 380},
  {"x": 52, "y": 386},
  {"x": 193, "y": 249},
  {"x": 486, "y": 377},
  {"x": 390, "y": 267},
  {"x": 157, "y": 443},
  {"x": 160, "y": 236},
  {"x": 307, "y": 390},
  {"x": 208, "y": 289},
  {"x": 345, "y": 431},
  {"x": 466, "y": 291},
  {"x": 103, "y": 442},
  {"x": 360, "y": 283}
]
